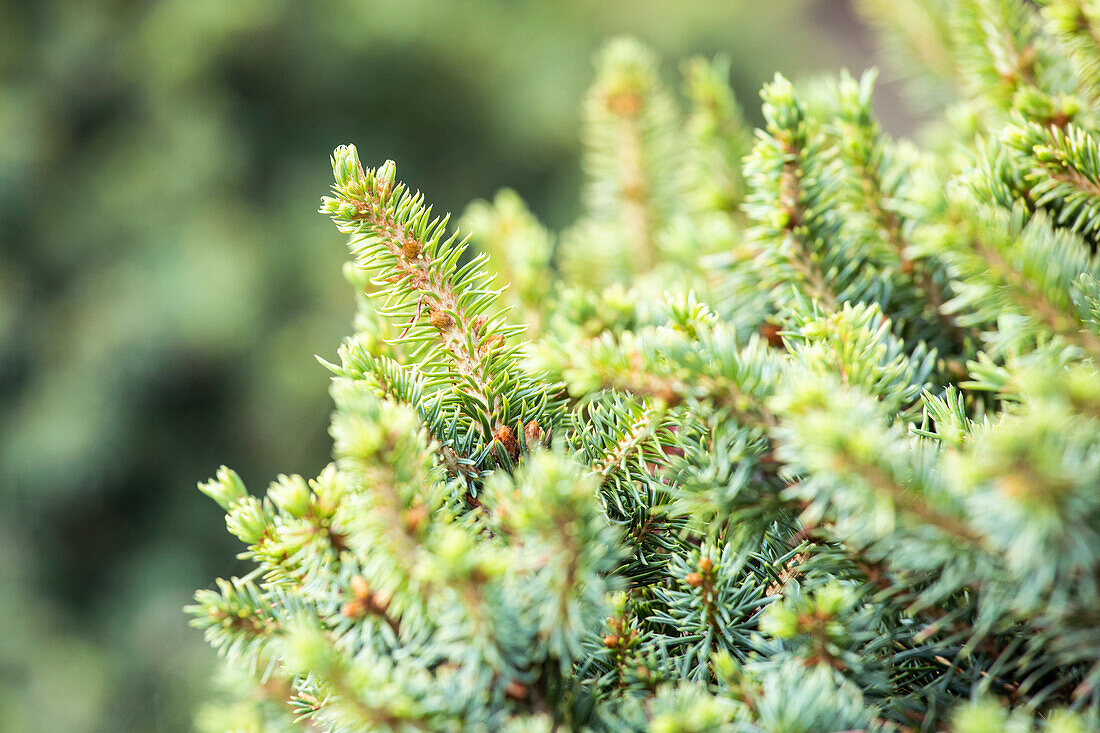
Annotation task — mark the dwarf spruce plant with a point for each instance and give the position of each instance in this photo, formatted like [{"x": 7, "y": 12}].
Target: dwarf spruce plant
[{"x": 793, "y": 431}]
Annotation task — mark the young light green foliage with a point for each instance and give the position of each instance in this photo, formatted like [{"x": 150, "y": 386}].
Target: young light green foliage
[
  {"x": 633, "y": 153},
  {"x": 520, "y": 247},
  {"x": 844, "y": 477}
]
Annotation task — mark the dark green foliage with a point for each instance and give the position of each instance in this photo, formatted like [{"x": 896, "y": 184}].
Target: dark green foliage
[{"x": 835, "y": 468}]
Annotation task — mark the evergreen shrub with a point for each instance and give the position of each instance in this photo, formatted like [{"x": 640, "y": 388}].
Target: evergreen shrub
[{"x": 792, "y": 431}]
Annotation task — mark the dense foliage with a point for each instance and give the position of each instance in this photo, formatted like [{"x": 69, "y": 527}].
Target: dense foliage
[
  {"x": 803, "y": 436},
  {"x": 160, "y": 279}
]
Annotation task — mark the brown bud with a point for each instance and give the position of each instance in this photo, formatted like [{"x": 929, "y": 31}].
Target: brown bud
[
  {"x": 493, "y": 342},
  {"x": 642, "y": 672},
  {"x": 705, "y": 564},
  {"x": 623, "y": 104},
  {"x": 353, "y": 609},
  {"x": 411, "y": 249},
  {"x": 1016, "y": 486},
  {"x": 611, "y": 641},
  {"x": 415, "y": 517},
  {"x": 532, "y": 433},
  {"x": 507, "y": 438},
  {"x": 693, "y": 579},
  {"x": 478, "y": 576},
  {"x": 1061, "y": 118},
  {"x": 516, "y": 690},
  {"x": 479, "y": 324},
  {"x": 441, "y": 320},
  {"x": 770, "y": 332},
  {"x": 380, "y": 601},
  {"x": 359, "y": 586},
  {"x": 633, "y": 190},
  {"x": 794, "y": 218}
]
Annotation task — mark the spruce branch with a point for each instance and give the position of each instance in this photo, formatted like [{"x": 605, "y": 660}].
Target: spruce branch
[
  {"x": 997, "y": 46},
  {"x": 449, "y": 312},
  {"x": 627, "y": 452},
  {"x": 458, "y": 447},
  {"x": 917, "y": 33},
  {"x": 719, "y": 138},
  {"x": 237, "y": 620},
  {"x": 791, "y": 196},
  {"x": 1061, "y": 173},
  {"x": 1077, "y": 24},
  {"x": 631, "y": 148},
  {"x": 875, "y": 192},
  {"x": 756, "y": 491},
  {"x": 520, "y": 246},
  {"x": 633, "y": 157},
  {"x": 358, "y": 697},
  {"x": 631, "y": 445},
  {"x": 1036, "y": 266}
]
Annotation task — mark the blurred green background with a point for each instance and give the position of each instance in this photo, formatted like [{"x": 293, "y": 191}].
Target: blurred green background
[{"x": 165, "y": 280}]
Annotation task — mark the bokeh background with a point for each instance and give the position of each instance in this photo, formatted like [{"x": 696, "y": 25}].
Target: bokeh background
[{"x": 165, "y": 280}]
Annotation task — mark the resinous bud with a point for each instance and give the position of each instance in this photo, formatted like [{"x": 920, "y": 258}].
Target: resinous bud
[
  {"x": 248, "y": 521},
  {"x": 345, "y": 164},
  {"x": 291, "y": 494},
  {"x": 384, "y": 178},
  {"x": 329, "y": 205},
  {"x": 226, "y": 488}
]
